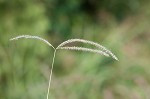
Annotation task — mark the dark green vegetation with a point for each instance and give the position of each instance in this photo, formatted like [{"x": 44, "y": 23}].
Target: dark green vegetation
[{"x": 120, "y": 25}]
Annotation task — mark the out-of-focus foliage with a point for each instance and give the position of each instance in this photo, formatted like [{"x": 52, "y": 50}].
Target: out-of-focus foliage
[
  {"x": 67, "y": 13},
  {"x": 120, "y": 25}
]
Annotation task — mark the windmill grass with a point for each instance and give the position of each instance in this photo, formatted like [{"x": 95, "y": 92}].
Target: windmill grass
[{"x": 100, "y": 50}]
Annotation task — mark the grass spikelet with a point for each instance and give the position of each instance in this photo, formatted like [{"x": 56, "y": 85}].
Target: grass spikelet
[
  {"x": 32, "y": 37},
  {"x": 88, "y": 42},
  {"x": 85, "y": 49}
]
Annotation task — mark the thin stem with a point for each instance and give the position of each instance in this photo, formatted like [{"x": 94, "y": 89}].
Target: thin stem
[{"x": 50, "y": 76}]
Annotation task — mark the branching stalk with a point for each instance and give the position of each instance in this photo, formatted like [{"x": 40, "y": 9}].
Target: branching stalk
[{"x": 101, "y": 50}]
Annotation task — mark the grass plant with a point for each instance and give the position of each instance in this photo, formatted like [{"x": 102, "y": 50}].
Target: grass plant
[{"x": 100, "y": 50}]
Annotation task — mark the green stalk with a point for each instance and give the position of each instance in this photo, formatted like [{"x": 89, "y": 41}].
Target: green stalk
[{"x": 50, "y": 76}]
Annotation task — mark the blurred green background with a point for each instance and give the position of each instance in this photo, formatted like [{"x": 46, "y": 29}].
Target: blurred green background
[{"x": 120, "y": 25}]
